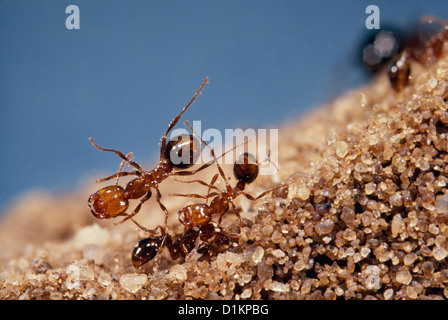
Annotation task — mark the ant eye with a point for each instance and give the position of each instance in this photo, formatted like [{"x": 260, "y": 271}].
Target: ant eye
[
  {"x": 183, "y": 151},
  {"x": 245, "y": 168},
  {"x": 145, "y": 251},
  {"x": 108, "y": 202}
]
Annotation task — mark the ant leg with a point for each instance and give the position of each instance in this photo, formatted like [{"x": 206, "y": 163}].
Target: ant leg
[
  {"x": 162, "y": 206},
  {"x": 122, "y": 164},
  {"x": 209, "y": 194},
  {"x": 150, "y": 231},
  {"x": 432, "y": 19},
  {"x": 155, "y": 268},
  {"x": 176, "y": 119},
  {"x": 237, "y": 213},
  {"x": 268, "y": 159},
  {"x": 194, "y": 195},
  {"x": 189, "y": 255},
  {"x": 118, "y": 175},
  {"x": 136, "y": 210},
  {"x": 248, "y": 196},
  {"x": 215, "y": 177},
  {"x": 221, "y": 172},
  {"x": 189, "y": 173},
  {"x": 231, "y": 235},
  {"x": 209, "y": 185},
  {"x": 118, "y": 153}
]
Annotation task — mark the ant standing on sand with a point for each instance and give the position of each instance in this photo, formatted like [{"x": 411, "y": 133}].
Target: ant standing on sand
[
  {"x": 202, "y": 235},
  {"x": 112, "y": 201},
  {"x": 245, "y": 170},
  {"x": 212, "y": 238}
]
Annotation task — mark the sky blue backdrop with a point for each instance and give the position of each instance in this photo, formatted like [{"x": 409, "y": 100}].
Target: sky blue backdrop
[{"x": 133, "y": 65}]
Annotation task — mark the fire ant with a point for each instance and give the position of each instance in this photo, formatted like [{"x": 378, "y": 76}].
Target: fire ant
[
  {"x": 201, "y": 235},
  {"x": 112, "y": 201},
  {"x": 424, "y": 52},
  {"x": 245, "y": 170},
  {"x": 208, "y": 238},
  {"x": 400, "y": 52}
]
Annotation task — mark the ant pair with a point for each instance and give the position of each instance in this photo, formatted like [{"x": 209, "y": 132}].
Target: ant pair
[
  {"x": 113, "y": 201},
  {"x": 245, "y": 170},
  {"x": 197, "y": 217}
]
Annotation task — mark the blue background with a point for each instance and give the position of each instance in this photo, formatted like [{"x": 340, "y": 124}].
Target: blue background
[{"x": 133, "y": 65}]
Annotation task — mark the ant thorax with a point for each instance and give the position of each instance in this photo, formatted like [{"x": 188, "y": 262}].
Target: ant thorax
[{"x": 112, "y": 201}]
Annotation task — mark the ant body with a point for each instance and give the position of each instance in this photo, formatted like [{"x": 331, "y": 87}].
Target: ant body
[
  {"x": 424, "y": 51},
  {"x": 112, "y": 201},
  {"x": 202, "y": 235},
  {"x": 206, "y": 238},
  {"x": 245, "y": 170}
]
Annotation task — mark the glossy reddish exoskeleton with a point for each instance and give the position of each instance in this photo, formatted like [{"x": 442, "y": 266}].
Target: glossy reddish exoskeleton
[
  {"x": 245, "y": 170},
  {"x": 113, "y": 201},
  {"x": 207, "y": 238}
]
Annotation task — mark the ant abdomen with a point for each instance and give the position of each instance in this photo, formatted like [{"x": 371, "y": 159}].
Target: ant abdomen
[
  {"x": 245, "y": 168},
  {"x": 146, "y": 250},
  {"x": 194, "y": 215},
  {"x": 108, "y": 202},
  {"x": 183, "y": 151}
]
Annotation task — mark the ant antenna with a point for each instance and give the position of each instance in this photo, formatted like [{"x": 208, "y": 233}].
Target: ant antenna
[
  {"x": 433, "y": 19},
  {"x": 268, "y": 159},
  {"x": 176, "y": 119}
]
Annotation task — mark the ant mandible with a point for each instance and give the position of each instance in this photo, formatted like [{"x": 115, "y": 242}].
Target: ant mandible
[
  {"x": 245, "y": 170},
  {"x": 112, "y": 201}
]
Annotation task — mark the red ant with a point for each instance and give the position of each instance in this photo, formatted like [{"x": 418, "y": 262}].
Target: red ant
[
  {"x": 424, "y": 53},
  {"x": 212, "y": 239},
  {"x": 113, "y": 201},
  {"x": 245, "y": 170}
]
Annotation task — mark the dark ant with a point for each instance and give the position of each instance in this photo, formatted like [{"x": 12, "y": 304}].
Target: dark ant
[
  {"x": 208, "y": 238},
  {"x": 424, "y": 52},
  {"x": 112, "y": 201},
  {"x": 400, "y": 51},
  {"x": 245, "y": 170}
]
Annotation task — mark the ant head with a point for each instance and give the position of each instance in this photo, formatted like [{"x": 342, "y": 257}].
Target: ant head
[
  {"x": 245, "y": 168},
  {"x": 108, "y": 202},
  {"x": 146, "y": 250},
  {"x": 183, "y": 151}
]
